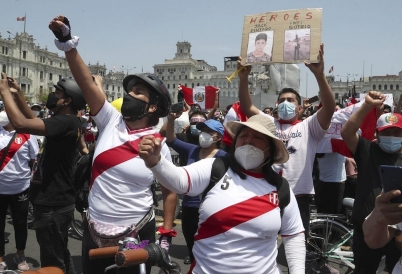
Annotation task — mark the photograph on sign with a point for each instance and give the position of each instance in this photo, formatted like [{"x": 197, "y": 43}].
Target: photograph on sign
[
  {"x": 296, "y": 45},
  {"x": 260, "y": 46},
  {"x": 288, "y": 36}
]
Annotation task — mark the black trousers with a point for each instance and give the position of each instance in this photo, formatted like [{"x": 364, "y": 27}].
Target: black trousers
[
  {"x": 189, "y": 225},
  {"x": 18, "y": 204},
  {"x": 303, "y": 201},
  {"x": 98, "y": 265},
  {"x": 366, "y": 260},
  {"x": 329, "y": 196}
]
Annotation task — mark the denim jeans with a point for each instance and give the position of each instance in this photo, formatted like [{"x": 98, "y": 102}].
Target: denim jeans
[{"x": 51, "y": 227}]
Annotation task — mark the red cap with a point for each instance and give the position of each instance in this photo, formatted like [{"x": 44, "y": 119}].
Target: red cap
[{"x": 389, "y": 120}]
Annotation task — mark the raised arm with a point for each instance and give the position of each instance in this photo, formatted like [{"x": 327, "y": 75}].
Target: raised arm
[
  {"x": 244, "y": 94},
  {"x": 170, "y": 134},
  {"x": 19, "y": 99},
  {"x": 349, "y": 130},
  {"x": 216, "y": 105},
  {"x": 93, "y": 96},
  {"x": 327, "y": 98}
]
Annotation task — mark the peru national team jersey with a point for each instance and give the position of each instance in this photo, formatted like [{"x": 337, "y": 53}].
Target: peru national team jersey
[
  {"x": 120, "y": 191},
  {"x": 239, "y": 221},
  {"x": 301, "y": 140},
  {"x": 15, "y": 172}
]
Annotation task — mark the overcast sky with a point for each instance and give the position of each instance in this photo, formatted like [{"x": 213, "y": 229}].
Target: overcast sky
[{"x": 139, "y": 34}]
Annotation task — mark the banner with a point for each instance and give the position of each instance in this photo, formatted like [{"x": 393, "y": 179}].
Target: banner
[{"x": 290, "y": 36}]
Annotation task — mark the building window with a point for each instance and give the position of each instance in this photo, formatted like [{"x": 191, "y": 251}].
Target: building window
[
  {"x": 118, "y": 89},
  {"x": 60, "y": 77},
  {"x": 391, "y": 87},
  {"x": 374, "y": 87},
  {"x": 50, "y": 76},
  {"x": 113, "y": 88},
  {"x": 198, "y": 84},
  {"x": 51, "y": 63},
  {"x": 185, "y": 77},
  {"x": 379, "y": 87},
  {"x": 40, "y": 89},
  {"x": 192, "y": 85},
  {"x": 107, "y": 87},
  {"x": 24, "y": 72},
  {"x": 174, "y": 85},
  {"x": 4, "y": 69},
  {"x": 179, "y": 77},
  {"x": 163, "y": 78},
  {"x": 42, "y": 59},
  {"x": 24, "y": 54},
  {"x": 5, "y": 50},
  {"x": 61, "y": 65},
  {"x": 41, "y": 75},
  {"x": 397, "y": 87},
  {"x": 168, "y": 86},
  {"x": 385, "y": 87}
]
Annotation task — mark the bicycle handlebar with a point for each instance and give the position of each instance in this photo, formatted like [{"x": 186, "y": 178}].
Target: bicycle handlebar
[
  {"x": 152, "y": 254},
  {"x": 45, "y": 270},
  {"x": 103, "y": 252}
]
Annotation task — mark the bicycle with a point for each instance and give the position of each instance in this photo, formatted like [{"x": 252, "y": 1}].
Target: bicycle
[
  {"x": 44, "y": 270},
  {"x": 330, "y": 243},
  {"x": 132, "y": 252}
]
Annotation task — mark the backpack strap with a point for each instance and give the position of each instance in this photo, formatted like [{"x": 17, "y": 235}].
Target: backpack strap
[
  {"x": 219, "y": 168},
  {"x": 282, "y": 187}
]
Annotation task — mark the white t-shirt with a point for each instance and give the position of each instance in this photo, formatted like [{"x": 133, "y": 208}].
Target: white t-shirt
[
  {"x": 120, "y": 183},
  {"x": 15, "y": 172},
  {"x": 239, "y": 221},
  {"x": 301, "y": 140},
  {"x": 332, "y": 168}
]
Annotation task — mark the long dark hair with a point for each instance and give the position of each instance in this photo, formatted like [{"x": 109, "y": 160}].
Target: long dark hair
[{"x": 267, "y": 169}]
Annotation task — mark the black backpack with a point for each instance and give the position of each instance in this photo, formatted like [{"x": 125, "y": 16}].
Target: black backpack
[
  {"x": 221, "y": 165},
  {"x": 81, "y": 179}
]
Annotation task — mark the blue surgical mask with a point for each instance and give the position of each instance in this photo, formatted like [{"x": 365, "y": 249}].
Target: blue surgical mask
[
  {"x": 390, "y": 144},
  {"x": 194, "y": 131},
  {"x": 286, "y": 110}
]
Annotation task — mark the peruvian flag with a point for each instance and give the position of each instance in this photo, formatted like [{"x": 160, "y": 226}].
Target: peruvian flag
[
  {"x": 204, "y": 96},
  {"x": 331, "y": 69},
  {"x": 21, "y": 18}
]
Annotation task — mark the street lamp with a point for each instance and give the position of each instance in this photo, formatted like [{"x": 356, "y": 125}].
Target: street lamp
[
  {"x": 127, "y": 69},
  {"x": 19, "y": 61}
]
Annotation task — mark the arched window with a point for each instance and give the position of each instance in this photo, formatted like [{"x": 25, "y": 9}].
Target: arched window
[
  {"x": 374, "y": 87},
  {"x": 391, "y": 87},
  {"x": 385, "y": 87},
  {"x": 397, "y": 87},
  {"x": 379, "y": 87}
]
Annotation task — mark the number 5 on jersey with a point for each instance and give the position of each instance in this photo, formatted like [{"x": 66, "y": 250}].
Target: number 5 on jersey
[{"x": 225, "y": 183}]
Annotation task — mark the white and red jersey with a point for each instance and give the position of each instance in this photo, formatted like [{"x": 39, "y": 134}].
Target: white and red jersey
[
  {"x": 301, "y": 140},
  {"x": 15, "y": 172},
  {"x": 239, "y": 219},
  {"x": 120, "y": 182}
]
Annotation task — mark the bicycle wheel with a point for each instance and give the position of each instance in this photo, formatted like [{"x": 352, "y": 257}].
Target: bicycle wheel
[
  {"x": 76, "y": 224},
  {"x": 325, "y": 235}
]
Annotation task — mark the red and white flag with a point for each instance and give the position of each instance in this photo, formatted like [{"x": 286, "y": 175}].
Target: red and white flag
[
  {"x": 21, "y": 18},
  {"x": 204, "y": 96},
  {"x": 331, "y": 69}
]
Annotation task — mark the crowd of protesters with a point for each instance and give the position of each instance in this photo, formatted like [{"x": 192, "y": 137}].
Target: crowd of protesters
[{"x": 247, "y": 173}]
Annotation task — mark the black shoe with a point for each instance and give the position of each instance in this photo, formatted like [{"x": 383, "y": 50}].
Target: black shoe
[
  {"x": 187, "y": 260},
  {"x": 6, "y": 241}
]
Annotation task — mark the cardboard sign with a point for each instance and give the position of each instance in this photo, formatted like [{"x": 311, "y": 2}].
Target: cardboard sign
[{"x": 290, "y": 36}]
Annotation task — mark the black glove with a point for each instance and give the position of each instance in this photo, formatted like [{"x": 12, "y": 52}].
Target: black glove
[{"x": 63, "y": 34}]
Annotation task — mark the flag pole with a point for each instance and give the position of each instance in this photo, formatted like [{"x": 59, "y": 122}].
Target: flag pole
[{"x": 25, "y": 21}]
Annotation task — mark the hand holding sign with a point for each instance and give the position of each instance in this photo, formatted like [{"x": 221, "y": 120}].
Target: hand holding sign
[{"x": 317, "y": 68}]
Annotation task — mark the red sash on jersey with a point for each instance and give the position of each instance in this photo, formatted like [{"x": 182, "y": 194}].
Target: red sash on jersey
[
  {"x": 18, "y": 142},
  {"x": 117, "y": 155},
  {"x": 235, "y": 215}
]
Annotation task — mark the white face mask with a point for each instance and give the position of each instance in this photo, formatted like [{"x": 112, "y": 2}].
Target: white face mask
[
  {"x": 249, "y": 157},
  {"x": 4, "y": 119},
  {"x": 35, "y": 112},
  {"x": 205, "y": 139}
]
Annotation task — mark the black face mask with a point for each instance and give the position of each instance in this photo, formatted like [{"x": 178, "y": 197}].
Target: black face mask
[
  {"x": 133, "y": 108},
  {"x": 51, "y": 100}
]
